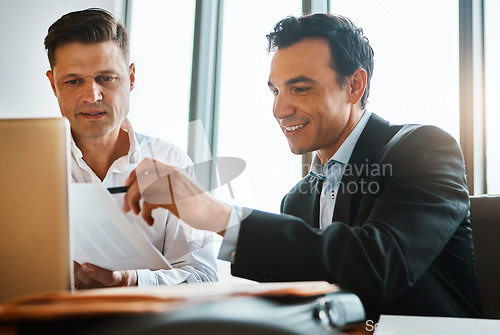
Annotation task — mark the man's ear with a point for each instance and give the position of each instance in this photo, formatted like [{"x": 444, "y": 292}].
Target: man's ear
[
  {"x": 357, "y": 85},
  {"x": 131, "y": 69},
  {"x": 50, "y": 75}
]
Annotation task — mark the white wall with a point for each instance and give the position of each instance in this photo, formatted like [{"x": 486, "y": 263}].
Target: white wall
[{"x": 24, "y": 89}]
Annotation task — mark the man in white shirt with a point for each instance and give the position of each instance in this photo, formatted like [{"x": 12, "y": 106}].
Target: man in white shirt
[{"x": 88, "y": 53}]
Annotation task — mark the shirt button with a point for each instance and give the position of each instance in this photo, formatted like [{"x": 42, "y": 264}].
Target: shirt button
[{"x": 332, "y": 195}]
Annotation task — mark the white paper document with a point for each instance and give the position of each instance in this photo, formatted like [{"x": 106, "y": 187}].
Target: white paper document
[{"x": 101, "y": 233}]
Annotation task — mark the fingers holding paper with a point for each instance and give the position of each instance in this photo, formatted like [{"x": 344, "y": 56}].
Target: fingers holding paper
[
  {"x": 160, "y": 185},
  {"x": 89, "y": 276}
]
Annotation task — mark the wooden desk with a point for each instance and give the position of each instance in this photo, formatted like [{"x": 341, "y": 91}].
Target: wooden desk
[
  {"x": 239, "y": 315},
  {"x": 359, "y": 330}
]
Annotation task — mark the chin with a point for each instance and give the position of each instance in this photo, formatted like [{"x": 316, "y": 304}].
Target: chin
[{"x": 298, "y": 151}]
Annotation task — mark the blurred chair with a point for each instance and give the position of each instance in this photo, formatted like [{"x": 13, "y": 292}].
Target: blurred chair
[{"x": 485, "y": 219}]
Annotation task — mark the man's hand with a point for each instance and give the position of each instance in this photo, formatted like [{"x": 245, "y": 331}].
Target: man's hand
[
  {"x": 166, "y": 186},
  {"x": 91, "y": 276}
]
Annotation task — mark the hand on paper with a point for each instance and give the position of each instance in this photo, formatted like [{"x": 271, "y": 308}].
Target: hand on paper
[
  {"x": 166, "y": 186},
  {"x": 91, "y": 276}
]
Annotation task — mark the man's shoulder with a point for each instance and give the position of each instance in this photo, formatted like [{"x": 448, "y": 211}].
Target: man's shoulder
[
  {"x": 162, "y": 150},
  {"x": 379, "y": 126},
  {"x": 416, "y": 127},
  {"x": 382, "y": 135},
  {"x": 420, "y": 134},
  {"x": 419, "y": 147}
]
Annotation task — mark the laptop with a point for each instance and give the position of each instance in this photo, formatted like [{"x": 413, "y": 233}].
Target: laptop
[{"x": 35, "y": 254}]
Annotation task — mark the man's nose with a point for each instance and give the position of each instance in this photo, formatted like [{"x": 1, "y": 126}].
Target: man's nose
[
  {"x": 282, "y": 107},
  {"x": 91, "y": 91}
]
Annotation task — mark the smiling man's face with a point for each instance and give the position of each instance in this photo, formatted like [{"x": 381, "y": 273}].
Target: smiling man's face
[
  {"x": 313, "y": 110},
  {"x": 92, "y": 83}
]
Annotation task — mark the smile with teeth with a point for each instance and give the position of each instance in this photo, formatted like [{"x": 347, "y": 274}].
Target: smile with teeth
[{"x": 293, "y": 128}]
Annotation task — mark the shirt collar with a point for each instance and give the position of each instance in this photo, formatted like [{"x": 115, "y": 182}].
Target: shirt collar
[
  {"x": 133, "y": 155},
  {"x": 343, "y": 154}
]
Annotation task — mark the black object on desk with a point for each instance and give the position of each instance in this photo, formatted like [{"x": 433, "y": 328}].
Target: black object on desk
[
  {"x": 118, "y": 189},
  {"x": 326, "y": 314}
]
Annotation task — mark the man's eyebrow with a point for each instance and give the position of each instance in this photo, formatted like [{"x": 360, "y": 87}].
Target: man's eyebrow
[
  {"x": 69, "y": 76},
  {"x": 99, "y": 73},
  {"x": 295, "y": 80},
  {"x": 299, "y": 79},
  {"x": 107, "y": 72}
]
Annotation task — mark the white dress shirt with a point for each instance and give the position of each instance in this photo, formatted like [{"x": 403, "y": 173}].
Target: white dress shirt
[
  {"x": 189, "y": 251},
  {"x": 331, "y": 173}
]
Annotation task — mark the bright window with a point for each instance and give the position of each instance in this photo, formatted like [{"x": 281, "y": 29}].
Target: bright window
[
  {"x": 492, "y": 86},
  {"x": 415, "y": 78},
  {"x": 247, "y": 128},
  {"x": 161, "y": 46}
]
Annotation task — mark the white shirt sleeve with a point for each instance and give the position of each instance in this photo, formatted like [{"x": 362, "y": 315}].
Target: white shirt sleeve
[{"x": 190, "y": 252}]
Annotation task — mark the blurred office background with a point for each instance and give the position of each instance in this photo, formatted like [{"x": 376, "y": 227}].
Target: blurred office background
[{"x": 435, "y": 63}]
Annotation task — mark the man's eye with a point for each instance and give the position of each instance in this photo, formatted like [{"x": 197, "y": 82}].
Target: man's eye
[
  {"x": 274, "y": 92},
  {"x": 301, "y": 89},
  {"x": 72, "y": 82},
  {"x": 105, "y": 79}
]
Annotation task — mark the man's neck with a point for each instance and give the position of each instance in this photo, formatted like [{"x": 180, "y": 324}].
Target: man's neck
[
  {"x": 325, "y": 154},
  {"x": 100, "y": 153}
]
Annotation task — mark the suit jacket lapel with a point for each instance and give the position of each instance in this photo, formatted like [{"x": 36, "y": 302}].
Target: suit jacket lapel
[
  {"x": 309, "y": 201},
  {"x": 303, "y": 201},
  {"x": 373, "y": 138}
]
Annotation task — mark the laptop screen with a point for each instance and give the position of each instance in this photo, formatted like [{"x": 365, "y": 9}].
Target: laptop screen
[{"x": 35, "y": 249}]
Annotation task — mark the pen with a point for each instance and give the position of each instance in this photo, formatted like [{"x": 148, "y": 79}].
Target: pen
[{"x": 118, "y": 189}]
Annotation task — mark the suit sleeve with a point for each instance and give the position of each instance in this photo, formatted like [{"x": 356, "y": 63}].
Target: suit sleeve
[{"x": 404, "y": 227}]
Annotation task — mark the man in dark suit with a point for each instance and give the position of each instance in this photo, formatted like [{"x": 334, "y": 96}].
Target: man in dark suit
[{"x": 384, "y": 212}]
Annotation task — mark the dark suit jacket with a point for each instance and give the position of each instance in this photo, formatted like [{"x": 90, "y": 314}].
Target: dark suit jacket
[{"x": 400, "y": 237}]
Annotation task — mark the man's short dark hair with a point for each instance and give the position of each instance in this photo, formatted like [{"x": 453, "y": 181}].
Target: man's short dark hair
[
  {"x": 349, "y": 48},
  {"x": 93, "y": 25}
]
